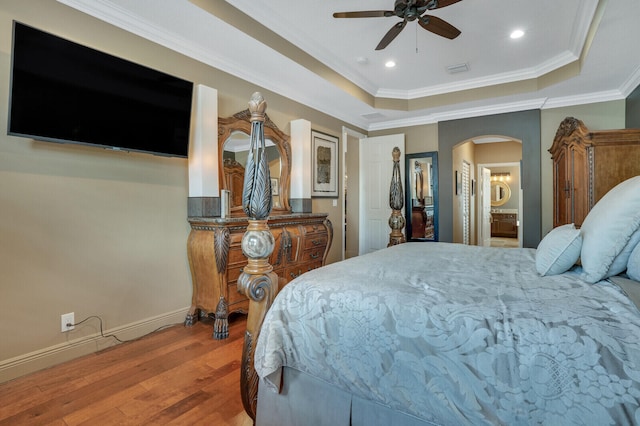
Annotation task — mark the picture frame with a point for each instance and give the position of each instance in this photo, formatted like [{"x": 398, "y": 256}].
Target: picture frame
[
  {"x": 275, "y": 186},
  {"x": 324, "y": 164}
]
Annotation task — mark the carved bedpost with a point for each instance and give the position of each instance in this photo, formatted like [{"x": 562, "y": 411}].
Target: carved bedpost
[
  {"x": 396, "y": 201},
  {"x": 257, "y": 280}
]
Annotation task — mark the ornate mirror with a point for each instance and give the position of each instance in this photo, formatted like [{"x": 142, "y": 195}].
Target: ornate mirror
[
  {"x": 233, "y": 147},
  {"x": 421, "y": 206},
  {"x": 500, "y": 193}
]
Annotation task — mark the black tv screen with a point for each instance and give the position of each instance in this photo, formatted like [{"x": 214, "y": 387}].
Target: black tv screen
[{"x": 65, "y": 92}]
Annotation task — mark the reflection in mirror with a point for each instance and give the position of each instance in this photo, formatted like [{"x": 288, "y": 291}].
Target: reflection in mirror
[
  {"x": 235, "y": 153},
  {"x": 500, "y": 193},
  {"x": 233, "y": 148},
  {"x": 421, "y": 205}
]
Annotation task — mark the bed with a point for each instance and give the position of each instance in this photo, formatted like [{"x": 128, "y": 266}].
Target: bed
[
  {"x": 448, "y": 334},
  {"x": 422, "y": 339}
]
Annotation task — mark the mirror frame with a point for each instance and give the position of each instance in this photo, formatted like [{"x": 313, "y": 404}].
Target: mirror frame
[
  {"x": 507, "y": 193},
  {"x": 408, "y": 208},
  {"x": 241, "y": 122}
]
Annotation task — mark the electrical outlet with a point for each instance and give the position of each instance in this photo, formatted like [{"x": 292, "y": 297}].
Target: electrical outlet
[{"x": 67, "y": 322}]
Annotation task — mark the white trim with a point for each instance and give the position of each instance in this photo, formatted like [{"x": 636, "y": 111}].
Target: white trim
[
  {"x": 43, "y": 358},
  {"x": 346, "y": 132}
]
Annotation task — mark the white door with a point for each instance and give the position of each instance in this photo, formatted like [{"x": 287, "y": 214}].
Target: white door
[
  {"x": 485, "y": 206},
  {"x": 376, "y": 168}
]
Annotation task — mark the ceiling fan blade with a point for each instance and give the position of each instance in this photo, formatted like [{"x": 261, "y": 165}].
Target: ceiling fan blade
[
  {"x": 364, "y": 14},
  {"x": 439, "y": 4},
  {"x": 438, "y": 26},
  {"x": 391, "y": 34}
]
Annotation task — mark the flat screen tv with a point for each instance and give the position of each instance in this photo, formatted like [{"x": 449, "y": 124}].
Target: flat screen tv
[{"x": 65, "y": 92}]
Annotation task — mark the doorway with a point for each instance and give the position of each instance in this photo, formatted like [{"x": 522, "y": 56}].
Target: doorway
[
  {"x": 351, "y": 183},
  {"x": 523, "y": 126},
  {"x": 500, "y": 206},
  {"x": 487, "y": 191}
]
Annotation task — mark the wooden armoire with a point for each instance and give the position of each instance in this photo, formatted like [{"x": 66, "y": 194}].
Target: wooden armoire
[{"x": 586, "y": 165}]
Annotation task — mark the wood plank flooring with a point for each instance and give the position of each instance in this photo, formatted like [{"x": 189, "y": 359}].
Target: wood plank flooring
[{"x": 178, "y": 376}]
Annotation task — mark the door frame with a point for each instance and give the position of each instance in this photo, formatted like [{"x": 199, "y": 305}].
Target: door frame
[
  {"x": 346, "y": 133},
  {"x": 520, "y": 222}
]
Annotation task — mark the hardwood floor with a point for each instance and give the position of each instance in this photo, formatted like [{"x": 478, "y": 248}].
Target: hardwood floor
[
  {"x": 504, "y": 242},
  {"x": 179, "y": 376}
]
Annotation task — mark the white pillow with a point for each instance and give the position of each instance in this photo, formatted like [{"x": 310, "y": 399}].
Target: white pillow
[
  {"x": 633, "y": 267},
  {"x": 608, "y": 227},
  {"x": 619, "y": 264},
  {"x": 559, "y": 250}
]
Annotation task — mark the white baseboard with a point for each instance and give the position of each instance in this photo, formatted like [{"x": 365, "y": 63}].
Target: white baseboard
[{"x": 57, "y": 354}]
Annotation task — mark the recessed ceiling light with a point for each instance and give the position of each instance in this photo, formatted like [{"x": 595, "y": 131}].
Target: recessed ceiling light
[
  {"x": 390, "y": 64},
  {"x": 517, "y": 34},
  {"x": 362, "y": 60}
]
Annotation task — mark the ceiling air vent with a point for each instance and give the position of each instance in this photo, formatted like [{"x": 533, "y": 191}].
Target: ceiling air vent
[{"x": 454, "y": 69}]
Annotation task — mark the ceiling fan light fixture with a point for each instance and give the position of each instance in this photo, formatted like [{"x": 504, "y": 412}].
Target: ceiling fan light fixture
[{"x": 455, "y": 69}]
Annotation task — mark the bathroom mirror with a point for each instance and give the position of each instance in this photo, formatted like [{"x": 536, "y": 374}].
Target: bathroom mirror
[
  {"x": 500, "y": 193},
  {"x": 233, "y": 147},
  {"x": 421, "y": 200}
]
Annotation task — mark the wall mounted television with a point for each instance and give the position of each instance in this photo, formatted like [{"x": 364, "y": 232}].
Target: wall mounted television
[{"x": 68, "y": 93}]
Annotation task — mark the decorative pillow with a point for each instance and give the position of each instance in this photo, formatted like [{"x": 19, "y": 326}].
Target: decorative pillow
[
  {"x": 559, "y": 250},
  {"x": 619, "y": 264},
  {"x": 608, "y": 227},
  {"x": 633, "y": 267}
]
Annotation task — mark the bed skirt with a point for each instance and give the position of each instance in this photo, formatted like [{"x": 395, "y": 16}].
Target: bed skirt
[{"x": 305, "y": 400}]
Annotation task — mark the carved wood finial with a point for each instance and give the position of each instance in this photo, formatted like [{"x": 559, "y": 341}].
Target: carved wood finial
[
  {"x": 568, "y": 126},
  {"x": 396, "y": 154},
  {"x": 570, "y": 129},
  {"x": 257, "y": 107}
]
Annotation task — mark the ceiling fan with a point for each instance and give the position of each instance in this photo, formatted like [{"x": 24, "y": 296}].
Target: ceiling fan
[{"x": 409, "y": 10}]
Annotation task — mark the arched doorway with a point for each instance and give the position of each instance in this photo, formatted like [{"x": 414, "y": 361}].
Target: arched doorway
[
  {"x": 474, "y": 208},
  {"x": 523, "y": 126}
]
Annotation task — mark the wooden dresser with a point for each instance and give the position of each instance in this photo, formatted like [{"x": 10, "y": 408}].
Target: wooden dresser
[
  {"x": 586, "y": 165},
  {"x": 504, "y": 225},
  {"x": 302, "y": 242}
]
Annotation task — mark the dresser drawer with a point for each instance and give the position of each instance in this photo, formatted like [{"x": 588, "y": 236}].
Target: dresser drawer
[
  {"x": 312, "y": 255},
  {"x": 233, "y": 294},
  {"x": 315, "y": 241},
  {"x": 296, "y": 271},
  {"x": 233, "y": 272},
  {"x": 236, "y": 256},
  {"x": 314, "y": 228}
]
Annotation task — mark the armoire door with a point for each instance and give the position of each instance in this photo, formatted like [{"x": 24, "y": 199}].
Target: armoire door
[
  {"x": 562, "y": 187},
  {"x": 580, "y": 185}
]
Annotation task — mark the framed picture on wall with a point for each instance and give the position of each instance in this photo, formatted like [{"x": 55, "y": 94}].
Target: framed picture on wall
[{"x": 324, "y": 162}]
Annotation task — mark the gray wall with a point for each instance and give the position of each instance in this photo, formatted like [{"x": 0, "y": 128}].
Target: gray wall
[
  {"x": 524, "y": 126},
  {"x": 632, "y": 115}
]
